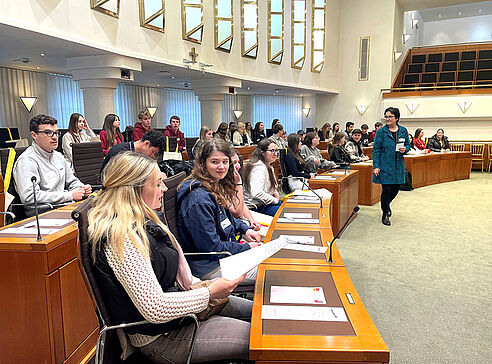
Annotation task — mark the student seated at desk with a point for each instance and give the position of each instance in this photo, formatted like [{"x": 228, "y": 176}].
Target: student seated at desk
[
  {"x": 205, "y": 133},
  {"x": 418, "y": 140},
  {"x": 111, "y": 134},
  {"x": 312, "y": 156},
  {"x": 354, "y": 147},
  {"x": 295, "y": 166},
  {"x": 439, "y": 142},
  {"x": 142, "y": 273},
  {"x": 259, "y": 178},
  {"x": 55, "y": 182},
  {"x": 339, "y": 154},
  {"x": 205, "y": 223},
  {"x": 76, "y": 127},
  {"x": 413, "y": 148}
]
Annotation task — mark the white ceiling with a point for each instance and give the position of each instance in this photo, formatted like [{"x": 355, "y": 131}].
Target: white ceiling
[{"x": 457, "y": 11}]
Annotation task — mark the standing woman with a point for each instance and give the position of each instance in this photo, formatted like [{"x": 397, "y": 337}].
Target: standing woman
[
  {"x": 205, "y": 133},
  {"x": 111, "y": 134},
  {"x": 439, "y": 142},
  {"x": 390, "y": 144},
  {"x": 142, "y": 272},
  {"x": 258, "y": 132},
  {"x": 75, "y": 134},
  {"x": 295, "y": 166},
  {"x": 259, "y": 177},
  {"x": 205, "y": 223},
  {"x": 418, "y": 140}
]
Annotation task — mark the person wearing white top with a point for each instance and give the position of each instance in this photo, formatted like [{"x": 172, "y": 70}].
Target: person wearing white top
[
  {"x": 240, "y": 136},
  {"x": 78, "y": 132}
]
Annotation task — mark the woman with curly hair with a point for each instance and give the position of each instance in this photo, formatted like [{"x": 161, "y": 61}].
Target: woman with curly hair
[{"x": 205, "y": 223}]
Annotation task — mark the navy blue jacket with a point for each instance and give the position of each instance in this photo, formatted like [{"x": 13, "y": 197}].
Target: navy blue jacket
[
  {"x": 387, "y": 159},
  {"x": 205, "y": 226}
]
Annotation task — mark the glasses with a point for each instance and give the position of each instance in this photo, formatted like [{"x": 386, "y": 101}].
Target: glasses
[
  {"x": 49, "y": 133},
  {"x": 273, "y": 151},
  {"x": 389, "y": 116}
]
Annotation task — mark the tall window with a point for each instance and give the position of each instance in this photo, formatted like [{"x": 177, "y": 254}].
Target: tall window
[
  {"x": 192, "y": 20},
  {"x": 286, "y": 109},
  {"x": 152, "y": 14},
  {"x": 298, "y": 34},
  {"x": 223, "y": 24},
  {"x": 318, "y": 36},
  {"x": 275, "y": 31},
  {"x": 249, "y": 28}
]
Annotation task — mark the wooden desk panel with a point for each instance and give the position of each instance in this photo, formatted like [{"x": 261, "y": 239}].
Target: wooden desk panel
[
  {"x": 369, "y": 192},
  {"x": 432, "y": 169},
  {"x": 447, "y": 167},
  {"x": 366, "y": 347},
  {"x": 462, "y": 166}
]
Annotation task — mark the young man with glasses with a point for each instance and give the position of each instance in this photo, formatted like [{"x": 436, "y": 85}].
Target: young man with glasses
[{"x": 55, "y": 182}]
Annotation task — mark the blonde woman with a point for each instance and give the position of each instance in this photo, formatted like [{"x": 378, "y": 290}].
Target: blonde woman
[
  {"x": 143, "y": 274},
  {"x": 240, "y": 136}
]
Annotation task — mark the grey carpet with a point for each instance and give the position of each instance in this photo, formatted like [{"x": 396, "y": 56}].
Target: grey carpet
[{"x": 426, "y": 280}]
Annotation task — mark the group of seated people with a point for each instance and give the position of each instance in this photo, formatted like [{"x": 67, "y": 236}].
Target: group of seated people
[{"x": 437, "y": 143}]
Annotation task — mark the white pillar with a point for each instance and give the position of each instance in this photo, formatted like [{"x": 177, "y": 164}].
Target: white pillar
[{"x": 211, "y": 110}]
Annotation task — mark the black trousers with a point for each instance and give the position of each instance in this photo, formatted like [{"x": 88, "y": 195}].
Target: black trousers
[{"x": 388, "y": 194}]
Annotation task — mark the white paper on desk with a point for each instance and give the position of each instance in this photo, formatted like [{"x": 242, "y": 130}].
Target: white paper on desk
[
  {"x": 306, "y": 248},
  {"x": 337, "y": 172},
  {"x": 264, "y": 220},
  {"x": 322, "y": 192},
  {"x": 298, "y": 215},
  {"x": 323, "y": 177},
  {"x": 298, "y": 239},
  {"x": 303, "y": 313},
  {"x": 297, "y": 221},
  {"x": 28, "y": 231},
  {"x": 301, "y": 295},
  {"x": 303, "y": 200},
  {"x": 236, "y": 265},
  {"x": 50, "y": 222}
]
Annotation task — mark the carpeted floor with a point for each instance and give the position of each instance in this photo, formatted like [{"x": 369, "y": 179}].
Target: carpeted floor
[{"x": 426, "y": 280}]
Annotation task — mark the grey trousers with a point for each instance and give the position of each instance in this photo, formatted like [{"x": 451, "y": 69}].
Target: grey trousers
[{"x": 218, "y": 338}]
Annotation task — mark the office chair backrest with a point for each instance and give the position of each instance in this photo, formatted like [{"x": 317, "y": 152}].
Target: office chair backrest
[
  {"x": 171, "y": 144},
  {"x": 170, "y": 208},
  {"x": 283, "y": 170},
  {"x": 59, "y": 148},
  {"x": 87, "y": 159}
]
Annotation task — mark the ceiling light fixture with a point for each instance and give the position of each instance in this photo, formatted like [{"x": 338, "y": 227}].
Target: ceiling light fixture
[
  {"x": 238, "y": 113},
  {"x": 464, "y": 106},
  {"x": 412, "y": 107},
  {"x": 361, "y": 109},
  {"x": 414, "y": 22},
  {"x": 406, "y": 37},
  {"x": 42, "y": 54},
  {"x": 306, "y": 111},
  {"x": 28, "y": 102},
  {"x": 152, "y": 110},
  {"x": 397, "y": 55}
]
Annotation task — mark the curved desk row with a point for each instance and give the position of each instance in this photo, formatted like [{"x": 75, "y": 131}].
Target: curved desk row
[{"x": 355, "y": 340}]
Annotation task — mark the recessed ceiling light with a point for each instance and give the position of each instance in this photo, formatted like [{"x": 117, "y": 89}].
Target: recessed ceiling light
[
  {"x": 249, "y": 88},
  {"x": 459, "y": 13},
  {"x": 158, "y": 85},
  {"x": 480, "y": 10},
  {"x": 42, "y": 54},
  {"x": 439, "y": 16},
  {"x": 172, "y": 77},
  {"x": 37, "y": 67}
]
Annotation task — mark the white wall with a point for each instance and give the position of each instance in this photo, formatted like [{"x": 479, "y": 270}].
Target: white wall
[{"x": 461, "y": 30}]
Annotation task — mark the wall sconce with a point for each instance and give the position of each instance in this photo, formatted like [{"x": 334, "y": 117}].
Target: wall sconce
[
  {"x": 406, "y": 37},
  {"x": 361, "y": 109},
  {"x": 412, "y": 107},
  {"x": 238, "y": 113},
  {"x": 397, "y": 55},
  {"x": 464, "y": 106},
  {"x": 29, "y": 102},
  {"x": 152, "y": 110},
  {"x": 306, "y": 111},
  {"x": 414, "y": 22}
]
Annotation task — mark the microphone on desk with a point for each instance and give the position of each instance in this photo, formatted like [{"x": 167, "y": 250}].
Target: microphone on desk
[
  {"x": 33, "y": 180},
  {"x": 354, "y": 211},
  {"x": 308, "y": 187}
]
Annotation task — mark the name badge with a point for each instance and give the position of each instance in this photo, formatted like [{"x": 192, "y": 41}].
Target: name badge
[{"x": 225, "y": 223}]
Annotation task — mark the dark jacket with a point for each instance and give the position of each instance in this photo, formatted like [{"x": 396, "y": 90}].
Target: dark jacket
[
  {"x": 340, "y": 155},
  {"x": 205, "y": 226},
  {"x": 366, "y": 139},
  {"x": 118, "y": 148},
  {"x": 387, "y": 159},
  {"x": 436, "y": 145},
  {"x": 118, "y": 303},
  {"x": 169, "y": 132},
  {"x": 294, "y": 167},
  {"x": 256, "y": 136},
  {"x": 139, "y": 131}
]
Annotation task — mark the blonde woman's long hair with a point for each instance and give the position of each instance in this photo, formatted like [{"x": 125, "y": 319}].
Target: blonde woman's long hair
[{"x": 119, "y": 211}]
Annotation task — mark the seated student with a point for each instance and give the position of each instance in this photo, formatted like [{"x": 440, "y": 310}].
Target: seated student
[
  {"x": 151, "y": 143},
  {"x": 249, "y": 129},
  {"x": 259, "y": 177},
  {"x": 354, "y": 147},
  {"x": 349, "y": 126},
  {"x": 439, "y": 142},
  {"x": 278, "y": 131},
  {"x": 240, "y": 137},
  {"x": 339, "y": 155},
  {"x": 76, "y": 127},
  {"x": 172, "y": 130},
  {"x": 312, "y": 156},
  {"x": 258, "y": 132},
  {"x": 111, "y": 134},
  {"x": 366, "y": 138},
  {"x": 413, "y": 148},
  {"x": 142, "y": 273},
  {"x": 300, "y": 132},
  {"x": 55, "y": 182},
  {"x": 142, "y": 126},
  {"x": 295, "y": 166},
  {"x": 335, "y": 129},
  {"x": 205, "y": 223},
  {"x": 222, "y": 133},
  {"x": 324, "y": 133},
  {"x": 232, "y": 130},
  {"x": 373, "y": 133},
  {"x": 418, "y": 140},
  {"x": 205, "y": 133},
  {"x": 239, "y": 208}
]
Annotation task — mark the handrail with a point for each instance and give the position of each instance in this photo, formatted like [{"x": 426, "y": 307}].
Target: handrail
[
  {"x": 423, "y": 88},
  {"x": 451, "y": 45}
]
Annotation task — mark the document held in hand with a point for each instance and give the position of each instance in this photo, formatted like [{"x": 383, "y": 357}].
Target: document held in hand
[{"x": 236, "y": 265}]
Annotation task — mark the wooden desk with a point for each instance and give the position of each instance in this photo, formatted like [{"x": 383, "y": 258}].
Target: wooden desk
[
  {"x": 345, "y": 190},
  {"x": 46, "y": 312},
  {"x": 369, "y": 192},
  {"x": 296, "y": 345}
]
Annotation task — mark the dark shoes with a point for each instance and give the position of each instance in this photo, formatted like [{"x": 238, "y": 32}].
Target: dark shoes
[
  {"x": 389, "y": 212},
  {"x": 385, "y": 220}
]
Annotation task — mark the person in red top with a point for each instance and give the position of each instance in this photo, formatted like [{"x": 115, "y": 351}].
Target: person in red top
[
  {"x": 172, "y": 130},
  {"x": 373, "y": 134},
  {"x": 418, "y": 139},
  {"x": 111, "y": 134},
  {"x": 142, "y": 126}
]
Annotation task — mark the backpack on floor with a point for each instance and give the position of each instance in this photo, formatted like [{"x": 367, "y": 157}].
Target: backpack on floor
[{"x": 407, "y": 186}]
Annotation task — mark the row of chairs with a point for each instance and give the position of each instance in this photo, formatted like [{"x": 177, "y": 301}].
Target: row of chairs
[{"x": 477, "y": 153}]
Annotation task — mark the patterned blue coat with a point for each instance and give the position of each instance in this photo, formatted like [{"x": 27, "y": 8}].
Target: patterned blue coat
[{"x": 386, "y": 158}]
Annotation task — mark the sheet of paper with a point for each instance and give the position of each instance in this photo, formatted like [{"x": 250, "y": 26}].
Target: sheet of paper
[
  {"x": 399, "y": 145},
  {"x": 298, "y": 239},
  {"x": 326, "y": 178},
  {"x": 236, "y": 265},
  {"x": 301, "y": 295},
  {"x": 303, "y": 313},
  {"x": 297, "y": 221},
  {"x": 338, "y": 172},
  {"x": 298, "y": 215},
  {"x": 306, "y": 248},
  {"x": 264, "y": 220},
  {"x": 28, "y": 231},
  {"x": 50, "y": 222}
]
